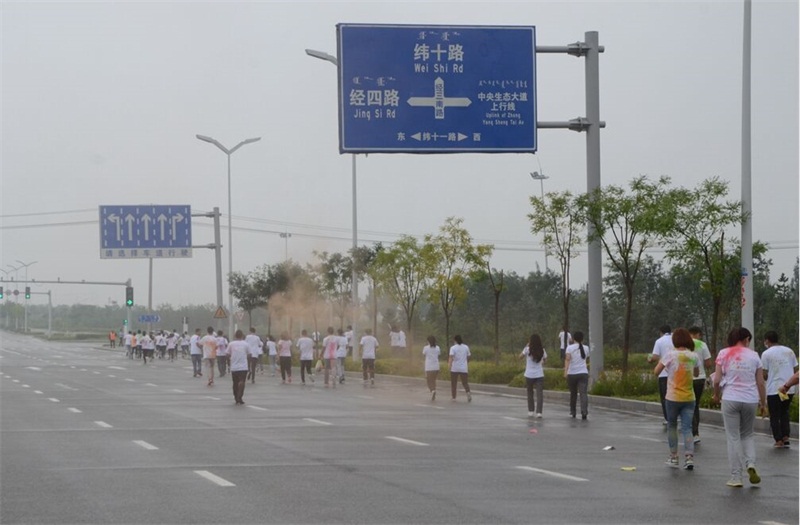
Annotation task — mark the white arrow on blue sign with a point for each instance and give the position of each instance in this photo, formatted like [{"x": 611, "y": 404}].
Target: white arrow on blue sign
[
  {"x": 150, "y": 318},
  {"x": 145, "y": 231}
]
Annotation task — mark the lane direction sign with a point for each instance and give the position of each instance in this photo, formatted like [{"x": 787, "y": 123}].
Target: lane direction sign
[
  {"x": 145, "y": 231},
  {"x": 436, "y": 89}
]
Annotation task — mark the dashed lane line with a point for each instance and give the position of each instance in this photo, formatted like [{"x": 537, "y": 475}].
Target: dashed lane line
[
  {"x": 145, "y": 445},
  {"x": 214, "y": 478},
  {"x": 75, "y": 410},
  {"x": 103, "y": 424},
  {"x": 317, "y": 421},
  {"x": 408, "y": 441},
  {"x": 551, "y": 473}
]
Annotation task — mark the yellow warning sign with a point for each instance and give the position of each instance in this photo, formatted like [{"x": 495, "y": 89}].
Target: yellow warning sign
[{"x": 220, "y": 313}]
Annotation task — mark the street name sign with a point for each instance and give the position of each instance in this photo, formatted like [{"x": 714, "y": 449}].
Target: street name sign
[
  {"x": 145, "y": 231},
  {"x": 436, "y": 89},
  {"x": 150, "y": 318}
]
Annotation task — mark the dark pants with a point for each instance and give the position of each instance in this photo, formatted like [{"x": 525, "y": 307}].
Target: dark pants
[
  {"x": 368, "y": 368},
  {"x": 578, "y": 384},
  {"x": 197, "y": 364},
  {"x": 698, "y": 385},
  {"x": 454, "y": 382},
  {"x": 305, "y": 366},
  {"x": 662, "y": 394},
  {"x": 239, "y": 380},
  {"x": 430, "y": 377},
  {"x": 779, "y": 416},
  {"x": 286, "y": 367},
  {"x": 538, "y": 384},
  {"x": 252, "y": 363},
  {"x": 222, "y": 364}
]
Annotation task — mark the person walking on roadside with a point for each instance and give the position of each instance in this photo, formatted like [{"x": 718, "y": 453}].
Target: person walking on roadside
[
  {"x": 564, "y": 340},
  {"x": 459, "y": 367},
  {"x": 328, "y": 354},
  {"x": 699, "y": 382},
  {"x": 577, "y": 374},
  {"x": 306, "y": 347},
  {"x": 431, "y": 352},
  {"x": 127, "y": 339},
  {"x": 209, "y": 345},
  {"x": 739, "y": 385},
  {"x": 369, "y": 347},
  {"x": 536, "y": 356},
  {"x": 682, "y": 366},
  {"x": 196, "y": 352},
  {"x": 341, "y": 355},
  {"x": 285, "y": 357},
  {"x": 779, "y": 364},
  {"x": 112, "y": 338},
  {"x": 254, "y": 345},
  {"x": 662, "y": 345},
  {"x": 238, "y": 352},
  {"x": 223, "y": 356},
  {"x": 272, "y": 355}
]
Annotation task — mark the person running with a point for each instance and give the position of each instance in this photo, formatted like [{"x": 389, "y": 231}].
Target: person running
[
  {"x": 139, "y": 335},
  {"x": 328, "y": 354},
  {"x": 431, "y": 352},
  {"x": 459, "y": 367},
  {"x": 306, "y": 347},
  {"x": 577, "y": 374},
  {"x": 534, "y": 373},
  {"x": 185, "y": 339},
  {"x": 341, "y": 355},
  {"x": 779, "y": 364},
  {"x": 285, "y": 357},
  {"x": 369, "y": 347},
  {"x": 209, "y": 345},
  {"x": 699, "y": 383},
  {"x": 682, "y": 365},
  {"x": 223, "y": 356},
  {"x": 350, "y": 335},
  {"x": 145, "y": 341},
  {"x": 172, "y": 341},
  {"x": 662, "y": 345},
  {"x": 127, "y": 340},
  {"x": 161, "y": 344},
  {"x": 272, "y": 355},
  {"x": 564, "y": 340},
  {"x": 238, "y": 352},
  {"x": 739, "y": 385},
  {"x": 196, "y": 353},
  {"x": 255, "y": 345}
]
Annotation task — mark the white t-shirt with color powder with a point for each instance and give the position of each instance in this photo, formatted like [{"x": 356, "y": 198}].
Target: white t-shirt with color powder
[
  {"x": 431, "y": 358},
  {"x": 368, "y": 346},
  {"x": 739, "y": 368},
  {"x": 460, "y": 354}
]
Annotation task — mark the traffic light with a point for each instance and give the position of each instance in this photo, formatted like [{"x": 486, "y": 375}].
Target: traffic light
[
  {"x": 129, "y": 296},
  {"x": 125, "y": 322},
  {"x": 1, "y": 293},
  {"x": 27, "y": 292}
]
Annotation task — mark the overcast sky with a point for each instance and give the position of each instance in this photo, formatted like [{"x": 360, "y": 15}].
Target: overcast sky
[{"x": 101, "y": 103}]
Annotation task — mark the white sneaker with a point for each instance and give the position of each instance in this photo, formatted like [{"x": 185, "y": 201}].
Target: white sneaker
[
  {"x": 539, "y": 415},
  {"x": 530, "y": 414},
  {"x": 696, "y": 440}
]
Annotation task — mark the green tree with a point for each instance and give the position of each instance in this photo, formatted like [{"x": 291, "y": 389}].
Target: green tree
[
  {"x": 453, "y": 259},
  {"x": 627, "y": 223},
  {"x": 364, "y": 258},
  {"x": 559, "y": 218},
  {"x": 247, "y": 295},
  {"x": 335, "y": 275}
]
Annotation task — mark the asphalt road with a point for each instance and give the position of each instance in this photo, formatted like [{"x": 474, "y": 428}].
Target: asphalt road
[{"x": 88, "y": 436}]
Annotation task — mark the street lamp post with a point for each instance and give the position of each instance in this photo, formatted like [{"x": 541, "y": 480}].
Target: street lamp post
[
  {"x": 541, "y": 177},
  {"x": 25, "y": 322},
  {"x": 229, "y": 152},
  {"x": 285, "y": 236},
  {"x": 354, "y": 287}
]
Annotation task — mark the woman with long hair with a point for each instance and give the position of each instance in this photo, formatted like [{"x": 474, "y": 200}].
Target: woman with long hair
[
  {"x": 577, "y": 374},
  {"x": 431, "y": 353},
  {"x": 739, "y": 384},
  {"x": 534, "y": 373},
  {"x": 459, "y": 368}
]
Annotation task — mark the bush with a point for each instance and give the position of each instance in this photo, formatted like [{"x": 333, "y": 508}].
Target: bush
[
  {"x": 635, "y": 385},
  {"x": 489, "y": 373}
]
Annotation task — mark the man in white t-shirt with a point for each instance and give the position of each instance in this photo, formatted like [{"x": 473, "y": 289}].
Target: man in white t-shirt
[
  {"x": 369, "y": 346},
  {"x": 564, "y": 340},
  {"x": 254, "y": 349},
  {"x": 349, "y": 335},
  {"x": 341, "y": 356},
  {"x": 209, "y": 345},
  {"x": 306, "y": 347},
  {"x": 223, "y": 356},
  {"x": 196, "y": 352},
  {"x": 397, "y": 340},
  {"x": 662, "y": 346},
  {"x": 779, "y": 364}
]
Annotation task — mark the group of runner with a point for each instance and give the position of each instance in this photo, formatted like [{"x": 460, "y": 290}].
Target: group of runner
[{"x": 164, "y": 344}]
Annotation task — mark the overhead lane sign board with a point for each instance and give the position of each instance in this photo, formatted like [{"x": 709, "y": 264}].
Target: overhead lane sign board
[
  {"x": 145, "y": 231},
  {"x": 436, "y": 89}
]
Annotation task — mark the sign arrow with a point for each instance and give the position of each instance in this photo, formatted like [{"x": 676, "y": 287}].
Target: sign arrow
[
  {"x": 115, "y": 219},
  {"x": 438, "y": 101},
  {"x": 162, "y": 219},
  {"x": 130, "y": 219},
  {"x": 175, "y": 220},
  {"x": 146, "y": 219}
]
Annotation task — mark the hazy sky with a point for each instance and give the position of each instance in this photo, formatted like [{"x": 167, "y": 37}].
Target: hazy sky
[{"x": 101, "y": 102}]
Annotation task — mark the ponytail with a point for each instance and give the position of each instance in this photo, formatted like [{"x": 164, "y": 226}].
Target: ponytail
[{"x": 578, "y": 338}]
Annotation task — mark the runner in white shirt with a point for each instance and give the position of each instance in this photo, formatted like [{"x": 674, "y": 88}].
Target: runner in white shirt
[
  {"x": 238, "y": 352},
  {"x": 254, "y": 345},
  {"x": 223, "y": 357},
  {"x": 577, "y": 374},
  {"x": 161, "y": 345},
  {"x": 306, "y": 346},
  {"x": 272, "y": 350},
  {"x": 341, "y": 355},
  {"x": 329, "y": 346},
  {"x": 699, "y": 382},
  {"x": 285, "y": 357},
  {"x": 431, "y": 353},
  {"x": 209, "y": 345},
  {"x": 459, "y": 367},
  {"x": 197, "y": 354},
  {"x": 146, "y": 340},
  {"x": 779, "y": 364},
  {"x": 368, "y": 347},
  {"x": 535, "y": 357},
  {"x": 661, "y": 348},
  {"x": 128, "y": 350},
  {"x": 349, "y": 335},
  {"x": 172, "y": 341}
]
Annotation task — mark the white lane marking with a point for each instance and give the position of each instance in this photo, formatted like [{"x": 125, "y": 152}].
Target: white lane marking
[
  {"x": 102, "y": 424},
  {"x": 83, "y": 370},
  {"x": 408, "y": 441},
  {"x": 111, "y": 375},
  {"x": 317, "y": 421},
  {"x": 26, "y": 386},
  {"x": 257, "y": 408},
  {"x": 65, "y": 387},
  {"x": 145, "y": 445},
  {"x": 54, "y": 400},
  {"x": 647, "y": 439},
  {"x": 149, "y": 384},
  {"x": 129, "y": 379},
  {"x": 38, "y": 392},
  {"x": 15, "y": 380},
  {"x": 428, "y": 406},
  {"x": 116, "y": 368},
  {"x": 178, "y": 391},
  {"x": 514, "y": 418},
  {"x": 554, "y": 474},
  {"x": 212, "y": 398},
  {"x": 364, "y": 397},
  {"x": 771, "y": 523},
  {"x": 214, "y": 479},
  {"x": 34, "y": 368},
  {"x": 96, "y": 372},
  {"x": 75, "y": 410}
]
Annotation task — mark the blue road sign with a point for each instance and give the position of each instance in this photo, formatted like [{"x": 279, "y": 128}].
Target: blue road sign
[
  {"x": 150, "y": 318},
  {"x": 436, "y": 89},
  {"x": 145, "y": 231}
]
